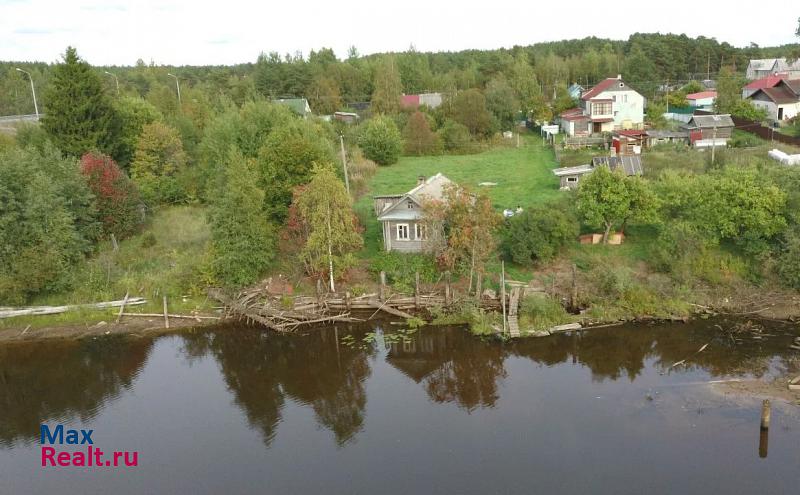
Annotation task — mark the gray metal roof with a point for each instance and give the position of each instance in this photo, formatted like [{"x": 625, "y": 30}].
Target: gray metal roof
[
  {"x": 629, "y": 164},
  {"x": 710, "y": 121},
  {"x": 578, "y": 170}
]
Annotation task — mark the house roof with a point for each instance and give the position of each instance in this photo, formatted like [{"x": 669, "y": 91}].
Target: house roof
[
  {"x": 766, "y": 82},
  {"x": 763, "y": 63},
  {"x": 578, "y": 170},
  {"x": 630, "y": 132},
  {"x": 629, "y": 164},
  {"x": 779, "y": 94},
  {"x": 432, "y": 188},
  {"x": 599, "y": 88},
  {"x": 701, "y": 95},
  {"x": 298, "y": 105},
  {"x": 710, "y": 121},
  {"x": 409, "y": 100},
  {"x": 574, "y": 114}
]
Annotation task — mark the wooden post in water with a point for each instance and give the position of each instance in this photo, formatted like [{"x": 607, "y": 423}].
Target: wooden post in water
[
  {"x": 503, "y": 292},
  {"x": 383, "y": 287},
  {"x": 574, "y": 296},
  {"x": 447, "y": 295},
  {"x": 765, "y": 414},
  {"x": 416, "y": 290},
  {"x": 166, "y": 314},
  {"x": 122, "y": 308},
  {"x": 763, "y": 439},
  {"x": 347, "y": 300}
]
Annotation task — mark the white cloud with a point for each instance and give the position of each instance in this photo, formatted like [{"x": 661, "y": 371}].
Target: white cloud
[{"x": 232, "y": 31}]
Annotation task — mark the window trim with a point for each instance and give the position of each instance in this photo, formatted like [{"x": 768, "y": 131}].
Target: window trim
[{"x": 397, "y": 232}]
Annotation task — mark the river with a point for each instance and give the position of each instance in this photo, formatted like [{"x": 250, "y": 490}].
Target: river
[{"x": 383, "y": 410}]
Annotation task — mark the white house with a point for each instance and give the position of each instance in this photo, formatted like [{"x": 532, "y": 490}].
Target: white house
[
  {"x": 610, "y": 105},
  {"x": 401, "y": 214},
  {"x": 781, "y": 102}
]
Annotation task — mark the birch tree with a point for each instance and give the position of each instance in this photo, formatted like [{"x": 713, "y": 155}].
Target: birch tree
[{"x": 333, "y": 231}]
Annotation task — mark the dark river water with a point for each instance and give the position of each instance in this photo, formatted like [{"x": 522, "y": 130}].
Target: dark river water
[{"x": 379, "y": 411}]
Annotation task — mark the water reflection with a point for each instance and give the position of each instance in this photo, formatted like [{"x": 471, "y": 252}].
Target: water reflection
[
  {"x": 452, "y": 366},
  {"x": 262, "y": 370},
  {"x": 57, "y": 381}
]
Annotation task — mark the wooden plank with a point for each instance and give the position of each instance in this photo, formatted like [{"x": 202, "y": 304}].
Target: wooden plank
[
  {"x": 166, "y": 315},
  {"x": 122, "y": 307},
  {"x": 52, "y": 310}
]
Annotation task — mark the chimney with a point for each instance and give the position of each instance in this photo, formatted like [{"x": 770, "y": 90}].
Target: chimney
[
  {"x": 420, "y": 180},
  {"x": 619, "y": 76}
]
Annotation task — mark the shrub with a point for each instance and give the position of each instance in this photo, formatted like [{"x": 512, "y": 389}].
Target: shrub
[
  {"x": 537, "y": 234},
  {"x": 158, "y": 159},
  {"x": 381, "y": 141},
  {"x": 116, "y": 197},
  {"x": 540, "y": 312},
  {"x": 455, "y": 137},
  {"x": 401, "y": 269},
  {"x": 789, "y": 262},
  {"x": 419, "y": 138}
]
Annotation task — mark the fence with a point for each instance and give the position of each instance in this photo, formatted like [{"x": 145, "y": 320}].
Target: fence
[{"x": 767, "y": 133}]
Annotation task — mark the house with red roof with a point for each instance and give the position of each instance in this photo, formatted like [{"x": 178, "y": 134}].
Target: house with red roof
[
  {"x": 782, "y": 101},
  {"x": 610, "y": 105},
  {"x": 765, "y": 82}
]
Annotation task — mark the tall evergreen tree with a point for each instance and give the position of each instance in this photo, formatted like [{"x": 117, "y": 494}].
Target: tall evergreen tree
[
  {"x": 242, "y": 240},
  {"x": 79, "y": 115}
]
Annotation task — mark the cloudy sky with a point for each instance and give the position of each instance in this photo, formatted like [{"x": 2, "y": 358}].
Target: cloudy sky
[{"x": 113, "y": 32}]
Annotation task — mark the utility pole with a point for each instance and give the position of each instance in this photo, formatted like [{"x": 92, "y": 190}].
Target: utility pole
[
  {"x": 178, "y": 86},
  {"x": 33, "y": 91},
  {"x": 116, "y": 80},
  {"x": 713, "y": 145},
  {"x": 344, "y": 165}
]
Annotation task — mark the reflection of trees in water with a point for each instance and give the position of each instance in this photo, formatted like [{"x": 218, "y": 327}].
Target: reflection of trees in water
[
  {"x": 452, "y": 365},
  {"x": 59, "y": 381},
  {"x": 263, "y": 369},
  {"x": 611, "y": 353}
]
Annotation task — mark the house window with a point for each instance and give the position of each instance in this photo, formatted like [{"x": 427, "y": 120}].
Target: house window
[
  {"x": 420, "y": 232},
  {"x": 624, "y": 98},
  {"x": 601, "y": 108},
  {"x": 402, "y": 231},
  {"x": 410, "y": 205},
  {"x": 572, "y": 179}
]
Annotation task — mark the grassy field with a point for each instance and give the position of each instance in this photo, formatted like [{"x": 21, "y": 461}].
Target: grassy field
[{"x": 523, "y": 176}]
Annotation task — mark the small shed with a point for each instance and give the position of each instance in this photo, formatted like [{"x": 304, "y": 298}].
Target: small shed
[
  {"x": 703, "y": 99},
  {"x": 657, "y": 136},
  {"x": 346, "y": 117},
  {"x": 628, "y": 141},
  {"x": 709, "y": 130},
  {"x": 570, "y": 176}
]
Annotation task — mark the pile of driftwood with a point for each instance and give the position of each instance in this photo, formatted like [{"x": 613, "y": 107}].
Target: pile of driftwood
[{"x": 287, "y": 314}]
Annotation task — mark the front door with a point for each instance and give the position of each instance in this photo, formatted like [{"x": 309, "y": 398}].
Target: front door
[{"x": 780, "y": 113}]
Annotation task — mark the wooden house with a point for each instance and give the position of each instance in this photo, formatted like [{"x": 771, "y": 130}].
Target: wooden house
[{"x": 709, "y": 130}]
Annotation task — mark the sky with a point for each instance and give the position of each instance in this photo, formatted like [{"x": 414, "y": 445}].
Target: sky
[{"x": 196, "y": 32}]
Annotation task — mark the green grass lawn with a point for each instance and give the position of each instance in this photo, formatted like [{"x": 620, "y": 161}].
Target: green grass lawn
[{"x": 523, "y": 175}]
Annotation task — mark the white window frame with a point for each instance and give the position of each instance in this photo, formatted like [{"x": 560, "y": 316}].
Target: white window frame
[
  {"x": 572, "y": 179},
  {"x": 419, "y": 232},
  {"x": 397, "y": 232}
]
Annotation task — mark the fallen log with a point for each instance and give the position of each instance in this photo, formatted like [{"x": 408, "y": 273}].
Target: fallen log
[
  {"x": 161, "y": 315},
  {"x": 392, "y": 311},
  {"x": 52, "y": 310},
  {"x": 565, "y": 328}
]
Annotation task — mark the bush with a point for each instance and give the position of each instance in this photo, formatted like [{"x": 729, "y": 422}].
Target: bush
[
  {"x": 157, "y": 162},
  {"x": 537, "y": 234},
  {"x": 401, "y": 269},
  {"x": 381, "y": 141},
  {"x": 116, "y": 197},
  {"x": 419, "y": 138},
  {"x": 455, "y": 137},
  {"x": 46, "y": 222},
  {"x": 541, "y": 312}
]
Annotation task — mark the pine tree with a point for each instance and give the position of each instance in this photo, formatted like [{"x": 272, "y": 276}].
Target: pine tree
[
  {"x": 242, "y": 240},
  {"x": 79, "y": 115}
]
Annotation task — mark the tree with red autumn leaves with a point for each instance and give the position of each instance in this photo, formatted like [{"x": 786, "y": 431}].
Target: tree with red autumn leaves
[{"x": 116, "y": 197}]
